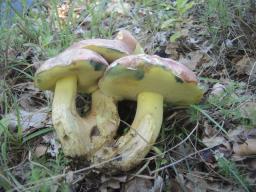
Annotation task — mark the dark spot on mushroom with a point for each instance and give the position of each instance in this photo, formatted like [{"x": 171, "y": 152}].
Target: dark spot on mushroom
[
  {"x": 65, "y": 137},
  {"x": 178, "y": 80},
  {"x": 39, "y": 81},
  {"x": 139, "y": 74},
  {"x": 97, "y": 65},
  {"x": 122, "y": 71},
  {"x": 95, "y": 132},
  {"x": 115, "y": 70}
]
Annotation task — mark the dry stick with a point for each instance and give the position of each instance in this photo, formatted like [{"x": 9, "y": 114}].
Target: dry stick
[
  {"x": 250, "y": 75},
  {"x": 180, "y": 160},
  {"x": 180, "y": 143}
]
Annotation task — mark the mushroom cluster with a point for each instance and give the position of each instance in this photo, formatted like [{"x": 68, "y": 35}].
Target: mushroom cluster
[{"x": 113, "y": 70}]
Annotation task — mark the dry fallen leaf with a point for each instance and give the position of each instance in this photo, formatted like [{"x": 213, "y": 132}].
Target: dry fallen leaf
[
  {"x": 36, "y": 119},
  {"x": 244, "y": 142},
  {"x": 174, "y": 186},
  {"x": 248, "y": 110},
  {"x": 194, "y": 59},
  {"x": 108, "y": 182},
  {"x": 158, "y": 184},
  {"x": 235, "y": 134},
  {"x": 247, "y": 148},
  {"x": 171, "y": 49},
  {"x": 40, "y": 150},
  {"x": 213, "y": 141},
  {"x": 209, "y": 131},
  {"x": 138, "y": 185},
  {"x": 29, "y": 97},
  {"x": 247, "y": 66},
  {"x": 196, "y": 183}
]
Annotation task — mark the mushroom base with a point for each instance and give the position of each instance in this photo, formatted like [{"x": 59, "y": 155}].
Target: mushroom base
[
  {"x": 130, "y": 149},
  {"x": 82, "y": 136}
]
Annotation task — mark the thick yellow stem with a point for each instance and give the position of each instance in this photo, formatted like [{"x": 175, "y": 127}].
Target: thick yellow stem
[
  {"x": 65, "y": 118},
  {"x": 134, "y": 146},
  {"x": 82, "y": 136},
  {"x": 148, "y": 105}
]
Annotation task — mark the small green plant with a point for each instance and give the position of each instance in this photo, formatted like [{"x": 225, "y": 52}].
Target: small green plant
[
  {"x": 179, "y": 10},
  {"x": 229, "y": 169},
  {"x": 221, "y": 17},
  {"x": 228, "y": 104}
]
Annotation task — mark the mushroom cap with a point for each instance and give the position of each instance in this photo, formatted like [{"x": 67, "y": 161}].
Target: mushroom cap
[
  {"x": 126, "y": 37},
  {"x": 87, "y": 65},
  {"x": 128, "y": 76},
  {"x": 109, "y": 49}
]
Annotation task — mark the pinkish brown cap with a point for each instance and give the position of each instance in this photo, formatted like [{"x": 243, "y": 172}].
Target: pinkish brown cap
[
  {"x": 109, "y": 49},
  {"x": 126, "y": 37},
  {"x": 128, "y": 76},
  {"x": 124, "y": 44},
  {"x": 87, "y": 65}
]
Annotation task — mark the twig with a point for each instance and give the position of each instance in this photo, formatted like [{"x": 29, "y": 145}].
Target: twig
[{"x": 180, "y": 160}]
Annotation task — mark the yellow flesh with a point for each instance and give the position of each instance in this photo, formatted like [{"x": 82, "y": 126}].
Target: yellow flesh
[
  {"x": 82, "y": 136},
  {"x": 134, "y": 146},
  {"x": 86, "y": 83},
  {"x": 128, "y": 83}
]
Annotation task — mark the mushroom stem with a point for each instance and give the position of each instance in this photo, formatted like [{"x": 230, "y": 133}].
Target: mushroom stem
[
  {"x": 144, "y": 131},
  {"x": 133, "y": 146},
  {"x": 82, "y": 135},
  {"x": 65, "y": 117},
  {"x": 149, "y": 104}
]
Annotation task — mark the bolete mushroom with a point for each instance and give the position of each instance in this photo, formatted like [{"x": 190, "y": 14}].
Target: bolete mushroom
[
  {"x": 150, "y": 80},
  {"x": 71, "y": 71},
  {"x": 78, "y": 69}
]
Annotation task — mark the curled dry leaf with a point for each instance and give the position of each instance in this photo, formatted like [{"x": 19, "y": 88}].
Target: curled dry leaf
[
  {"x": 209, "y": 131},
  {"x": 244, "y": 142},
  {"x": 194, "y": 59},
  {"x": 247, "y": 148}
]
